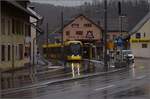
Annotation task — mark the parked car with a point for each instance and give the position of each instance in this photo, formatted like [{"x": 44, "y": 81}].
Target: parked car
[{"x": 128, "y": 55}]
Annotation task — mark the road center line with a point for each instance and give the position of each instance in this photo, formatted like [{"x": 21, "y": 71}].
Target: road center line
[{"x": 98, "y": 89}]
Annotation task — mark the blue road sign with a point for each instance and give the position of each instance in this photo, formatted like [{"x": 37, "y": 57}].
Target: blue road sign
[{"x": 120, "y": 42}]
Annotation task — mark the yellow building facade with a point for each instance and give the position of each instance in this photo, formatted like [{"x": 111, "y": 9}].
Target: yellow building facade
[
  {"x": 140, "y": 39},
  {"x": 14, "y": 28}
]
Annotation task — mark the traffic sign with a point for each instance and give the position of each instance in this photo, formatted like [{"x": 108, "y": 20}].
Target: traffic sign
[
  {"x": 120, "y": 41},
  {"x": 89, "y": 35},
  {"x": 110, "y": 45}
]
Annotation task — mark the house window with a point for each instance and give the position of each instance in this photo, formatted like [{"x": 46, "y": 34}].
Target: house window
[
  {"x": 19, "y": 28},
  {"x": 8, "y": 27},
  {"x": 144, "y": 45},
  {"x": 88, "y": 25},
  {"x": 16, "y": 27},
  {"x": 74, "y": 25},
  {"x": 67, "y": 32},
  {"x": 22, "y": 28},
  {"x": 138, "y": 35},
  {"x": 9, "y": 52},
  {"x": 3, "y": 26},
  {"x": 27, "y": 52},
  {"x": 13, "y": 26},
  {"x": 144, "y": 35},
  {"x": 16, "y": 49},
  {"x": 108, "y": 36},
  {"x": 20, "y": 51},
  {"x": 2, "y": 52},
  {"x": 27, "y": 30},
  {"x": 79, "y": 32},
  {"x": 114, "y": 37}
]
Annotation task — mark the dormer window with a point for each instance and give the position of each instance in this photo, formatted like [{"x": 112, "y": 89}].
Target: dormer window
[
  {"x": 138, "y": 35},
  {"x": 88, "y": 25}
]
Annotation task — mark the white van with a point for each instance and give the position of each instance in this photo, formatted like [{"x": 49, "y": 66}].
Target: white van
[{"x": 128, "y": 55}]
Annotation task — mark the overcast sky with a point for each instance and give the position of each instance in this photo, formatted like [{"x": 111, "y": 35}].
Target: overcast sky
[{"x": 63, "y": 2}]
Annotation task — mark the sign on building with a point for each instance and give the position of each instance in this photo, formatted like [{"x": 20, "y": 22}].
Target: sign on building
[{"x": 89, "y": 35}]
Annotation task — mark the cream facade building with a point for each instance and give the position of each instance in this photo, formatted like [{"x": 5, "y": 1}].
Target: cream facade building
[
  {"x": 15, "y": 26},
  {"x": 140, "y": 39},
  {"x": 83, "y": 29}
]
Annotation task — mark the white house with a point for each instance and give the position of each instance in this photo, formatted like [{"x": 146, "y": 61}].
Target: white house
[{"x": 140, "y": 39}]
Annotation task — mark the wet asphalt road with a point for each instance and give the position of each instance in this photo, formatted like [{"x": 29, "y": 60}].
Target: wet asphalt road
[{"x": 128, "y": 84}]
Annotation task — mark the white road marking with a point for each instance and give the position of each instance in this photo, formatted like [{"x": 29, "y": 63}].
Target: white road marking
[
  {"x": 95, "y": 61},
  {"x": 140, "y": 77},
  {"x": 106, "y": 87}
]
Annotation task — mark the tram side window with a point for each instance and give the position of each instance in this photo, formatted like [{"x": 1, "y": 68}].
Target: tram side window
[{"x": 67, "y": 50}]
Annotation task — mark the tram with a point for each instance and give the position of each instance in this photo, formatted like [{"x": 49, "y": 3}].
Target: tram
[{"x": 70, "y": 51}]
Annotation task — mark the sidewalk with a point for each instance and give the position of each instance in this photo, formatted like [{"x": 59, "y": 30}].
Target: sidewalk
[{"x": 26, "y": 75}]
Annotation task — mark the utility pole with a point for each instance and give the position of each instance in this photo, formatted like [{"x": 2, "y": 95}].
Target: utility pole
[
  {"x": 47, "y": 40},
  {"x": 120, "y": 16},
  {"x": 62, "y": 40},
  {"x": 105, "y": 37}
]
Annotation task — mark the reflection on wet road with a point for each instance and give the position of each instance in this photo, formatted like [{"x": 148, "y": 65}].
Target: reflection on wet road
[
  {"x": 73, "y": 69},
  {"x": 127, "y": 84},
  {"x": 81, "y": 68}
]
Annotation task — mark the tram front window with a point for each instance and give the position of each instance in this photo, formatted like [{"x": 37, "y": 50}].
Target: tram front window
[{"x": 75, "y": 49}]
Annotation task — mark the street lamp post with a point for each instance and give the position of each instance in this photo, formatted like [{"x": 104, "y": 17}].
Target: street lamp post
[{"x": 105, "y": 37}]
